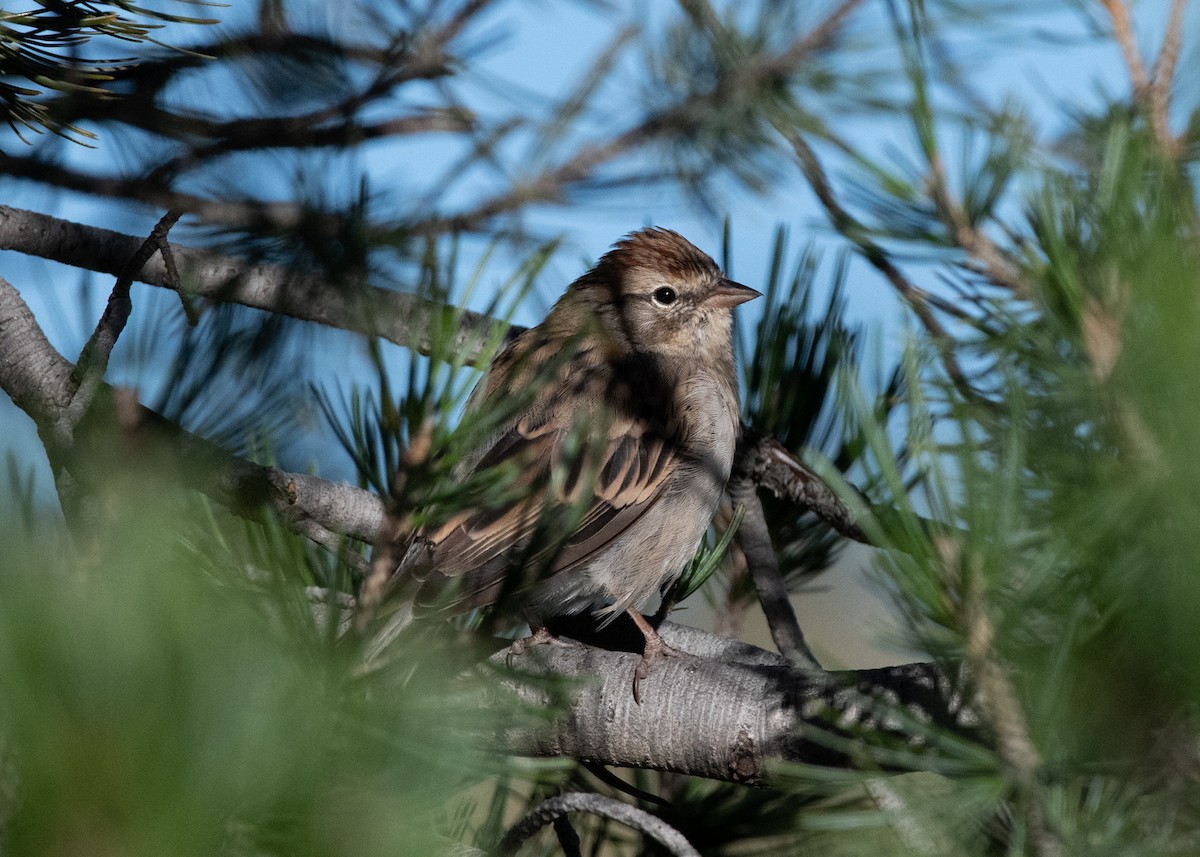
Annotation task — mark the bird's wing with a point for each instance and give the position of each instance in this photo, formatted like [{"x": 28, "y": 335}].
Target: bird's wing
[{"x": 613, "y": 478}]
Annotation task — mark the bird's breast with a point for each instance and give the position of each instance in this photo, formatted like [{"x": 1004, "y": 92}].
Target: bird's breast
[{"x": 709, "y": 410}]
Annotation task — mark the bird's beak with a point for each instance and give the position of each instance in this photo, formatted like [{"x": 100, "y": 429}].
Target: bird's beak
[{"x": 729, "y": 294}]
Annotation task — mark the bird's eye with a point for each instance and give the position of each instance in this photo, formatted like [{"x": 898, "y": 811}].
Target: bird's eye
[{"x": 664, "y": 296}]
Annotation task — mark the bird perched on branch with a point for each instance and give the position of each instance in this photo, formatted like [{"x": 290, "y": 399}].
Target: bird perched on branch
[{"x": 623, "y": 441}]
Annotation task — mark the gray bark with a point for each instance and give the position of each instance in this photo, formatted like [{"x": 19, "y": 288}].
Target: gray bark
[
  {"x": 38, "y": 380},
  {"x": 398, "y": 317},
  {"x": 730, "y": 712}
]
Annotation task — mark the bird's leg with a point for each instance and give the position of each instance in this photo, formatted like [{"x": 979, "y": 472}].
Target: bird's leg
[
  {"x": 656, "y": 647},
  {"x": 541, "y": 636}
]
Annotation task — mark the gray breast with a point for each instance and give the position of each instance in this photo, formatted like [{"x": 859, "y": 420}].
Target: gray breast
[{"x": 658, "y": 546}]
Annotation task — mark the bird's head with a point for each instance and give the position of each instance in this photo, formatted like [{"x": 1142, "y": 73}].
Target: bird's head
[{"x": 656, "y": 292}]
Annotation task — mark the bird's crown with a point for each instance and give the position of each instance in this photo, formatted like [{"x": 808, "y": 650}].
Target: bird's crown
[{"x": 661, "y": 250}]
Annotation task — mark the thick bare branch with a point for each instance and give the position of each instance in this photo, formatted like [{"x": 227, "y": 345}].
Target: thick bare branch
[
  {"x": 733, "y": 712},
  {"x": 35, "y": 376},
  {"x": 395, "y": 316},
  {"x": 38, "y": 380}
]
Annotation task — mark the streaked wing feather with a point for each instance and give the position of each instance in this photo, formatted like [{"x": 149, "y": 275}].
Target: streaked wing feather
[{"x": 472, "y": 546}]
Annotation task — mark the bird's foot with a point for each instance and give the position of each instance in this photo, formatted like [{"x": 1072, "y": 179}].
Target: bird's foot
[
  {"x": 541, "y": 636},
  {"x": 656, "y": 648}
]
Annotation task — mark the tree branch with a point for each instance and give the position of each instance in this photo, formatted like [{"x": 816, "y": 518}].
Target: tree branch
[
  {"x": 395, "y": 316},
  {"x": 93, "y": 359},
  {"x": 755, "y": 540},
  {"x": 732, "y": 712},
  {"x": 251, "y": 215},
  {"x": 766, "y": 462},
  {"x": 1164, "y": 77},
  {"x": 35, "y": 376},
  {"x": 557, "y": 807},
  {"x": 549, "y": 184},
  {"x": 1118, "y": 14},
  {"x": 918, "y": 300},
  {"x": 292, "y": 132},
  {"x": 992, "y": 260},
  {"x": 1151, "y": 90},
  {"x": 38, "y": 380}
]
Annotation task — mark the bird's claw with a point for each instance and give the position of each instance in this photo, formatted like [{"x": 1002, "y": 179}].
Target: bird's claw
[
  {"x": 655, "y": 649},
  {"x": 541, "y": 636}
]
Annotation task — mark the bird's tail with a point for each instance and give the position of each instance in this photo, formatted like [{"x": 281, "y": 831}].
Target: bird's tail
[{"x": 398, "y": 619}]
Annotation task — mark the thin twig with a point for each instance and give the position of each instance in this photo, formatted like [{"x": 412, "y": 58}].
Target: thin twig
[
  {"x": 567, "y": 837},
  {"x": 606, "y": 807},
  {"x": 820, "y": 36},
  {"x": 766, "y": 462},
  {"x": 996, "y": 698},
  {"x": 611, "y": 780},
  {"x": 235, "y": 214},
  {"x": 917, "y": 299},
  {"x": 549, "y": 184},
  {"x": 755, "y": 540},
  {"x": 996, "y": 265},
  {"x": 1164, "y": 75},
  {"x": 93, "y": 359},
  {"x": 296, "y": 132},
  {"x": 173, "y": 280},
  {"x": 1122, "y": 28}
]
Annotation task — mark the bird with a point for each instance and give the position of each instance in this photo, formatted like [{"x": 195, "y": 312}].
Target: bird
[{"x": 623, "y": 438}]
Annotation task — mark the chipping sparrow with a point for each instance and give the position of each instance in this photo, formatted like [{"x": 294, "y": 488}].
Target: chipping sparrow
[{"x": 633, "y": 426}]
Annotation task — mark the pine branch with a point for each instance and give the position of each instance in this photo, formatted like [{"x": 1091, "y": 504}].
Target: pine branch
[
  {"x": 1164, "y": 77},
  {"x": 755, "y": 540},
  {"x": 734, "y": 712},
  {"x": 552, "y": 183},
  {"x": 93, "y": 360},
  {"x": 992, "y": 260},
  {"x": 555, "y": 808},
  {"x": 1151, "y": 89},
  {"x": 920, "y": 301},
  {"x": 1122, "y": 28},
  {"x": 312, "y": 131},
  {"x": 38, "y": 380},
  {"x": 250, "y": 215},
  {"x": 395, "y": 316}
]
